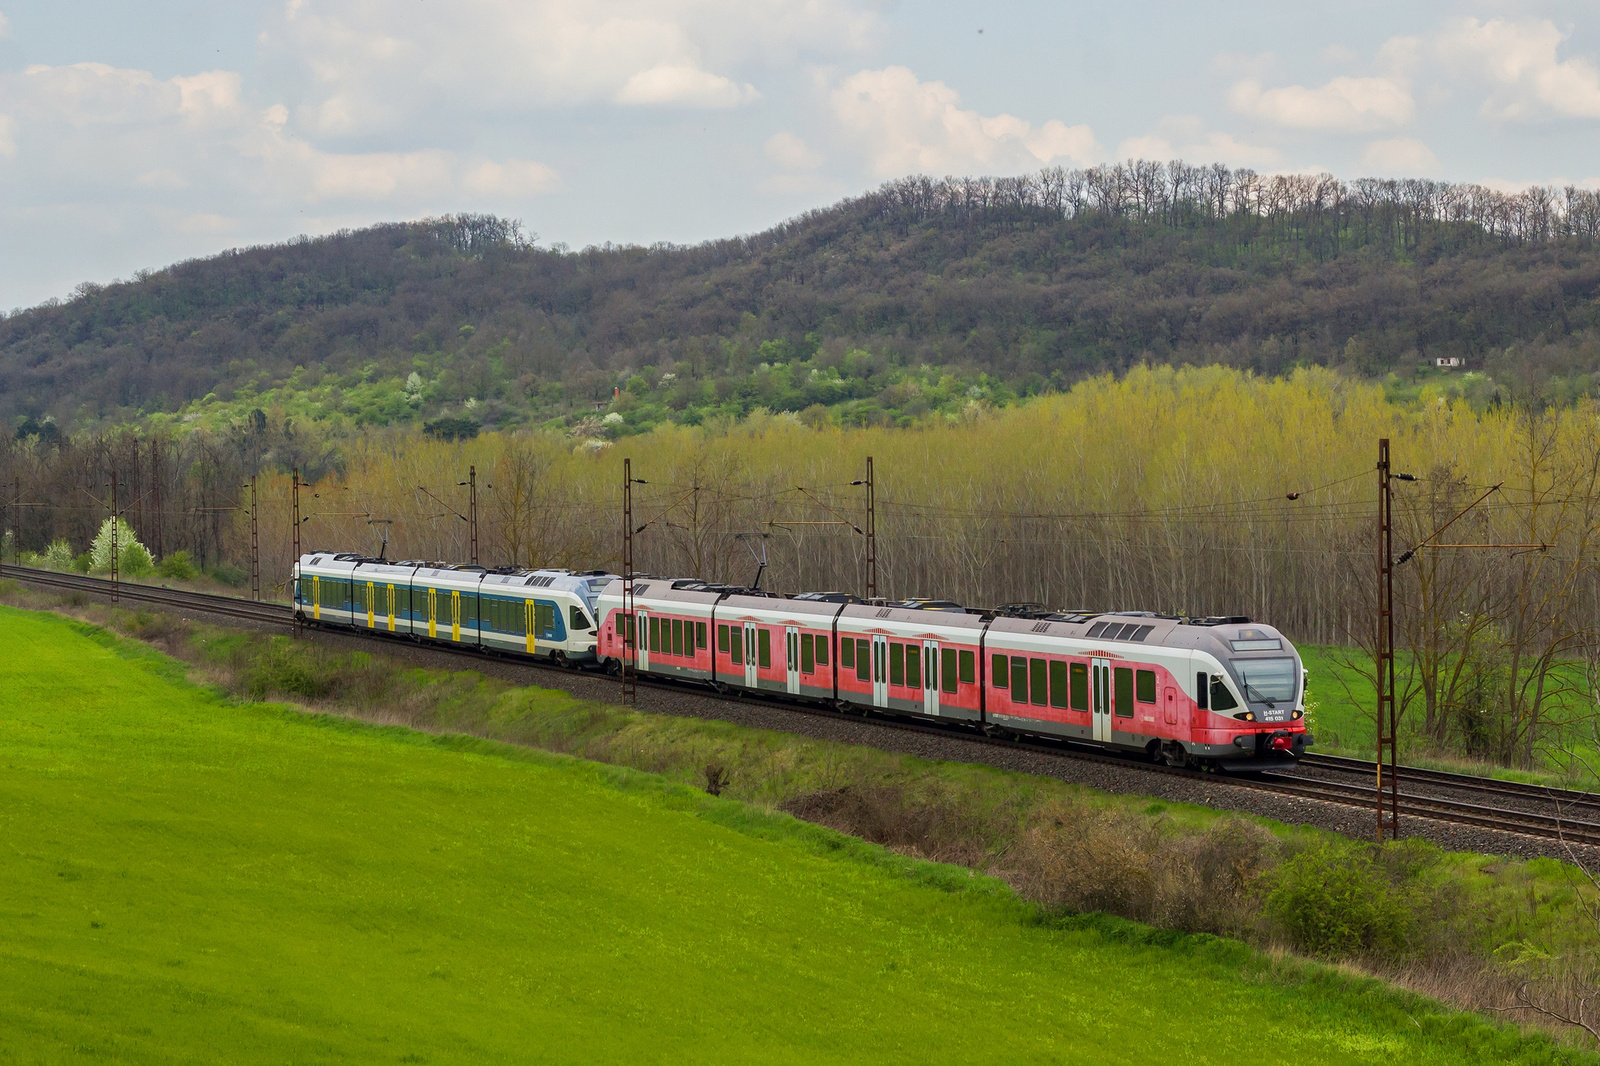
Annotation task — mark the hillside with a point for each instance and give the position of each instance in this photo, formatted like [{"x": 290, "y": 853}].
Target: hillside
[
  {"x": 919, "y": 296},
  {"x": 193, "y": 877}
]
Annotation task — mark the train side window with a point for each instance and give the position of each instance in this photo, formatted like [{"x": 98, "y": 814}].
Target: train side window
[
  {"x": 737, "y": 648},
  {"x": 913, "y": 666},
  {"x": 1080, "y": 686},
  {"x": 722, "y": 639},
  {"x": 808, "y": 655},
  {"x": 677, "y": 636},
  {"x": 969, "y": 667},
  {"x": 847, "y": 653},
  {"x": 633, "y": 631},
  {"x": 999, "y": 672},
  {"x": 764, "y": 647},
  {"x": 1058, "y": 683},
  {"x": 823, "y": 640},
  {"x": 1202, "y": 681},
  {"x": 1221, "y": 698},
  {"x": 1146, "y": 681},
  {"x": 863, "y": 661},
  {"x": 700, "y": 636},
  {"x": 897, "y": 664},
  {"x": 1038, "y": 682},
  {"x": 576, "y": 617},
  {"x": 1019, "y": 679},
  {"x": 1123, "y": 689},
  {"x": 655, "y": 634},
  {"x": 947, "y": 668}
]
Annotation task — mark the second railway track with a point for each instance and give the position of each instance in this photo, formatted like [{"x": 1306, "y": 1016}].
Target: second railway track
[{"x": 1415, "y": 799}]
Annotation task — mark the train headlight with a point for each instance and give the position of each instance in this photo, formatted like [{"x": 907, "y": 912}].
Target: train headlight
[
  {"x": 1246, "y": 716},
  {"x": 1299, "y": 714}
]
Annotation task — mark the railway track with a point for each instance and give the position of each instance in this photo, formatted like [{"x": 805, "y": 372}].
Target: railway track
[{"x": 1574, "y": 816}]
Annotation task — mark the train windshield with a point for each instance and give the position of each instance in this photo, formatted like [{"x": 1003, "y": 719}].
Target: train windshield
[{"x": 1267, "y": 680}]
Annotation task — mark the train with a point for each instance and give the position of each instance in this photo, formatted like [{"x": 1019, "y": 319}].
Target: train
[{"x": 1219, "y": 692}]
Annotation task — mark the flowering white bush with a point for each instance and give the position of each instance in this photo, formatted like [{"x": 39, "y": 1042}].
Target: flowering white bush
[{"x": 133, "y": 558}]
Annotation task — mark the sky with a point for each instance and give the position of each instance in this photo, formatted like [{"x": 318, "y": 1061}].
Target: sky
[{"x": 136, "y": 135}]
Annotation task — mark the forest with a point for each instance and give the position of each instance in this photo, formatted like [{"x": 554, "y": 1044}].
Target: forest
[
  {"x": 1145, "y": 386},
  {"x": 911, "y": 300},
  {"x": 1200, "y": 490}
]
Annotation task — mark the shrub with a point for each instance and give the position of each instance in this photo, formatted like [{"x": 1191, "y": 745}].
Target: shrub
[
  {"x": 283, "y": 670},
  {"x": 179, "y": 566},
  {"x": 135, "y": 561},
  {"x": 229, "y": 574},
  {"x": 1334, "y": 901},
  {"x": 58, "y": 556},
  {"x": 1085, "y": 858}
]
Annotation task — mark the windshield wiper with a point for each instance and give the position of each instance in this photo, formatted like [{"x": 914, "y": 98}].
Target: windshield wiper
[{"x": 1249, "y": 688}]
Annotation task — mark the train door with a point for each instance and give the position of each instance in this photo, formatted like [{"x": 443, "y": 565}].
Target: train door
[
  {"x": 642, "y": 639},
  {"x": 391, "y": 608},
  {"x": 880, "y": 670},
  {"x": 455, "y": 614},
  {"x": 792, "y": 640},
  {"x": 1101, "y": 669},
  {"x": 750, "y": 661},
  {"x": 372, "y": 603},
  {"x": 930, "y": 677},
  {"x": 1169, "y": 706},
  {"x": 529, "y": 617},
  {"x": 316, "y": 597},
  {"x": 433, "y": 614}
]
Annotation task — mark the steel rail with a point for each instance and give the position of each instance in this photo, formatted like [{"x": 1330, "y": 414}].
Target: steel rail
[
  {"x": 1487, "y": 785},
  {"x": 1349, "y": 795}
]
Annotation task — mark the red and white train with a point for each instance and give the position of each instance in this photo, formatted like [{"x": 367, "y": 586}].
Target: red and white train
[{"x": 1219, "y": 691}]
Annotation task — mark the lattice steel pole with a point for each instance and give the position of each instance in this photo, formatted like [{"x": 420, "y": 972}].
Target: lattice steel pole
[
  {"x": 872, "y": 533},
  {"x": 294, "y": 598},
  {"x": 1388, "y": 733},
  {"x": 472, "y": 509},
  {"x": 115, "y": 551},
  {"x": 155, "y": 491},
  {"x": 630, "y": 692},
  {"x": 255, "y": 546}
]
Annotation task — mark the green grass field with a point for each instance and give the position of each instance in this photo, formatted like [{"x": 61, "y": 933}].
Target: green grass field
[
  {"x": 186, "y": 880},
  {"x": 1343, "y": 723}
]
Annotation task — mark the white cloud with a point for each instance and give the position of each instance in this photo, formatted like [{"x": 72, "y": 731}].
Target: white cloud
[
  {"x": 372, "y": 66},
  {"x": 1399, "y": 157},
  {"x": 110, "y": 132},
  {"x": 1522, "y": 59},
  {"x": 684, "y": 85},
  {"x": 791, "y": 152},
  {"x": 5, "y": 26},
  {"x": 1186, "y": 137},
  {"x": 904, "y": 125},
  {"x": 514, "y": 177},
  {"x": 1343, "y": 103}
]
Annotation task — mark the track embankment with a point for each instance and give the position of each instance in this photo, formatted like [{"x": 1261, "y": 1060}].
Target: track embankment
[{"x": 1456, "y": 811}]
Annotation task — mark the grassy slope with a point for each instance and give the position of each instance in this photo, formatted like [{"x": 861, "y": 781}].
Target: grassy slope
[{"x": 184, "y": 880}]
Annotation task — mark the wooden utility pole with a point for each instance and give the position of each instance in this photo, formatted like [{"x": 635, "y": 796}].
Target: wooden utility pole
[
  {"x": 626, "y": 625},
  {"x": 1388, "y": 731}
]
